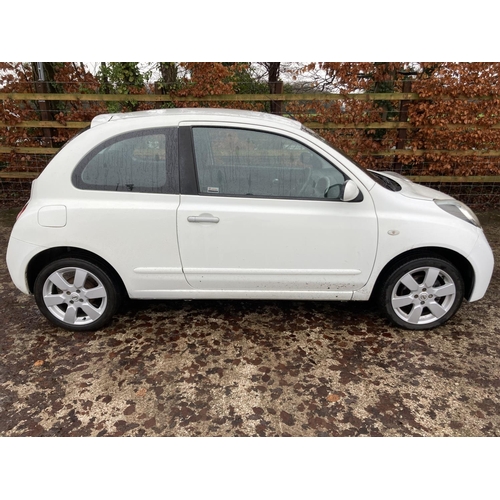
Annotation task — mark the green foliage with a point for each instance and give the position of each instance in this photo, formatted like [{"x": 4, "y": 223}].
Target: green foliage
[{"x": 122, "y": 78}]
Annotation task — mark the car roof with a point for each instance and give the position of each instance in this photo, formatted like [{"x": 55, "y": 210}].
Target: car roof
[{"x": 198, "y": 113}]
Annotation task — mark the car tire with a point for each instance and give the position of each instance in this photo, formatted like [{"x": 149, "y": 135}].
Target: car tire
[
  {"x": 423, "y": 293},
  {"x": 76, "y": 294}
]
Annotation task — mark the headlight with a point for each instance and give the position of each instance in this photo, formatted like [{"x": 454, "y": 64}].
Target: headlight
[{"x": 459, "y": 210}]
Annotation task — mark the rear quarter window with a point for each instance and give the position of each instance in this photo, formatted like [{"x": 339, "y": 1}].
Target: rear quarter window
[{"x": 141, "y": 161}]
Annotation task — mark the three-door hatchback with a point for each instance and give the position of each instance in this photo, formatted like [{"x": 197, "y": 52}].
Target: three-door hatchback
[{"x": 227, "y": 204}]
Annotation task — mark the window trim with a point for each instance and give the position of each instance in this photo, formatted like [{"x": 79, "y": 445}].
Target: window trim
[{"x": 188, "y": 172}]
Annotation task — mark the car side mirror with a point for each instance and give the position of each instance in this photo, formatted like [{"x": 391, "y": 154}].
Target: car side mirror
[{"x": 351, "y": 191}]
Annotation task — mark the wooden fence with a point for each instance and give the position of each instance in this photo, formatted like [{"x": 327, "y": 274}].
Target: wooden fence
[{"x": 401, "y": 126}]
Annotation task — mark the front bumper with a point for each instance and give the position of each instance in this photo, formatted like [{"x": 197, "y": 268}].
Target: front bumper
[{"x": 483, "y": 263}]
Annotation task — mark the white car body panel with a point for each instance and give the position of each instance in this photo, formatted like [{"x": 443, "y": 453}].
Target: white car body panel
[
  {"x": 19, "y": 255},
  {"x": 409, "y": 224},
  {"x": 245, "y": 250}
]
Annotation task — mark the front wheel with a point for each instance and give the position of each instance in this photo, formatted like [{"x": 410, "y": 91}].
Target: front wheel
[
  {"x": 76, "y": 295},
  {"x": 423, "y": 293}
]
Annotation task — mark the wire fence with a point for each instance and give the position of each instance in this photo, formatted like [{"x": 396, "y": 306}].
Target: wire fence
[{"x": 386, "y": 137}]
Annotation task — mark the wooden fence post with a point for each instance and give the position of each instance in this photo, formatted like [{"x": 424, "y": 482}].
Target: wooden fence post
[
  {"x": 277, "y": 106},
  {"x": 403, "y": 118}
]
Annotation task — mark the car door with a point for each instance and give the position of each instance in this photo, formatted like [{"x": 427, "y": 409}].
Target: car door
[
  {"x": 267, "y": 217},
  {"x": 125, "y": 209}
]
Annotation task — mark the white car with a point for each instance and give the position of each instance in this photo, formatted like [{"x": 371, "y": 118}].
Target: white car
[{"x": 227, "y": 204}]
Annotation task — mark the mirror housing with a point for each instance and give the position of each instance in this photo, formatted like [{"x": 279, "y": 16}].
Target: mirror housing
[{"x": 351, "y": 191}]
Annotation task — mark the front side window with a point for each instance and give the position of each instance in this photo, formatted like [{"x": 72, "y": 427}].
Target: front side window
[
  {"x": 140, "y": 161},
  {"x": 241, "y": 162}
]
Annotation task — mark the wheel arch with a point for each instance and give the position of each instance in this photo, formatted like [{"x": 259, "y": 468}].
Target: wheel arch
[
  {"x": 39, "y": 261},
  {"x": 463, "y": 266}
]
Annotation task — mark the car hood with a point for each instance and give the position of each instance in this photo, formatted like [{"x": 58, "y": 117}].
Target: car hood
[{"x": 416, "y": 191}]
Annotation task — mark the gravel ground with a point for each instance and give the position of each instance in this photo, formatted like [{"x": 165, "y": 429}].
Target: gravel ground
[{"x": 250, "y": 368}]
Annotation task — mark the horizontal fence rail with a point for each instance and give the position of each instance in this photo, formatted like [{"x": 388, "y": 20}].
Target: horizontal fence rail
[
  {"x": 375, "y": 96},
  {"x": 313, "y": 125},
  {"x": 218, "y": 97}
]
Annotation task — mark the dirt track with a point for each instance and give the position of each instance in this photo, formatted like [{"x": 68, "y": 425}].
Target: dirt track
[{"x": 247, "y": 368}]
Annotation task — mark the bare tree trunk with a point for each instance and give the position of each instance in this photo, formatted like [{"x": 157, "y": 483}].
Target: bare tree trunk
[
  {"x": 168, "y": 71},
  {"x": 275, "y": 86},
  {"x": 39, "y": 75}
]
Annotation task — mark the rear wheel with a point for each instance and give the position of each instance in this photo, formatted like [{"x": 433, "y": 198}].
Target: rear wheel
[
  {"x": 423, "y": 293},
  {"x": 76, "y": 294}
]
